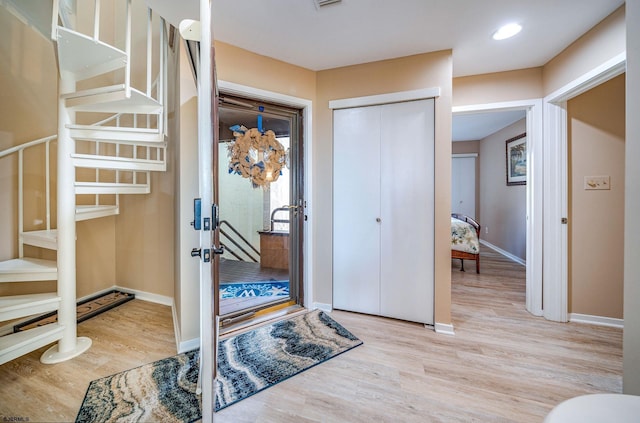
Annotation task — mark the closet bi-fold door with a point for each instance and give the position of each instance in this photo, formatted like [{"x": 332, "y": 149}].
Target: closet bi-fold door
[
  {"x": 356, "y": 210},
  {"x": 407, "y": 210},
  {"x": 383, "y": 210}
]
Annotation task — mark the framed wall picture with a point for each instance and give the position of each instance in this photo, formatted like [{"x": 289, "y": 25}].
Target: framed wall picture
[{"x": 516, "y": 155}]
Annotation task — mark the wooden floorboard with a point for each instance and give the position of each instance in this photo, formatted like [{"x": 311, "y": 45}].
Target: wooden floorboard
[{"x": 502, "y": 364}]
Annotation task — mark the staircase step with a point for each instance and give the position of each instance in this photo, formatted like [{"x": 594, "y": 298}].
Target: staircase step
[
  {"x": 111, "y": 188},
  {"x": 84, "y": 57},
  {"x": 17, "y": 344},
  {"x": 43, "y": 239},
  {"x": 95, "y": 212},
  {"x": 27, "y": 270},
  {"x": 17, "y": 306},
  {"x": 93, "y": 161},
  {"x": 112, "y": 99},
  {"x": 123, "y": 135}
]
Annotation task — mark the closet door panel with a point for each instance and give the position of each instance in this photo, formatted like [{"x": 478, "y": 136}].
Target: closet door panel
[
  {"x": 407, "y": 192},
  {"x": 356, "y": 206}
]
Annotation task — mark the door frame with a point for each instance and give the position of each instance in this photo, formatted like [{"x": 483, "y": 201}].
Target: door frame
[
  {"x": 231, "y": 88},
  {"x": 556, "y": 234},
  {"x": 533, "y": 108}
]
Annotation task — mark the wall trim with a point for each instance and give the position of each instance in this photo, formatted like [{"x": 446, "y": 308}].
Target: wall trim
[
  {"x": 147, "y": 296},
  {"x": 504, "y": 253},
  {"x": 596, "y": 320},
  {"x": 444, "y": 328},
  {"x": 535, "y": 152},
  {"x": 306, "y": 105},
  {"x": 463, "y": 155},
  {"x": 327, "y": 308},
  {"x": 396, "y": 97},
  {"x": 182, "y": 346}
]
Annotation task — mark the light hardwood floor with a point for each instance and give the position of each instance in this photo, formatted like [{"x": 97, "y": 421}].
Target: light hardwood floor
[{"x": 502, "y": 365}]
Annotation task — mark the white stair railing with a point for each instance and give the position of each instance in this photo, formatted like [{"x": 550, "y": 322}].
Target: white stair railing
[{"x": 19, "y": 150}]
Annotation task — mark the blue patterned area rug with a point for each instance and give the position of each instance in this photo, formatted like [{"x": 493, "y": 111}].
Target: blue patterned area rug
[
  {"x": 274, "y": 289},
  {"x": 247, "y": 364}
]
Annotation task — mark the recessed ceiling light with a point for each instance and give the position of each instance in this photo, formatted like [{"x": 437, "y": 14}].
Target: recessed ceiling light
[{"x": 507, "y": 31}]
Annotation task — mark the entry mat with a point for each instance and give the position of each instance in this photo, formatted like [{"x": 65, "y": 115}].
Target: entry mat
[
  {"x": 274, "y": 289},
  {"x": 85, "y": 309}
]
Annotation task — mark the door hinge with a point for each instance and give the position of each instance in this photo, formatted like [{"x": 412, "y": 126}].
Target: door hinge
[{"x": 564, "y": 220}]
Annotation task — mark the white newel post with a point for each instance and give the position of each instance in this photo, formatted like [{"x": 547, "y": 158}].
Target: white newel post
[{"x": 69, "y": 345}]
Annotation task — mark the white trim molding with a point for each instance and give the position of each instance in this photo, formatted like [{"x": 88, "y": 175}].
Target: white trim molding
[
  {"x": 504, "y": 253},
  {"x": 463, "y": 155},
  {"x": 444, "y": 328},
  {"x": 327, "y": 308},
  {"x": 397, "y": 97},
  {"x": 533, "y": 107},
  {"x": 182, "y": 346},
  {"x": 307, "y": 124},
  {"x": 556, "y": 181},
  {"x": 147, "y": 296},
  {"x": 596, "y": 320}
]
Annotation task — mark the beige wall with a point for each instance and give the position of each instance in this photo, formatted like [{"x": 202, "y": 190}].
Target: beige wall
[
  {"x": 408, "y": 73},
  {"x": 498, "y": 87},
  {"x": 603, "y": 42},
  {"x": 596, "y": 147},
  {"x": 503, "y": 208},
  {"x": 145, "y": 227},
  {"x": 27, "y": 84},
  {"x": 462, "y": 147},
  {"x": 243, "y": 67},
  {"x": 631, "y": 341}
]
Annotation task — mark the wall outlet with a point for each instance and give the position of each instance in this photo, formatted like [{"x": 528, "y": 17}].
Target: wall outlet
[
  {"x": 596, "y": 182},
  {"x": 486, "y": 229}
]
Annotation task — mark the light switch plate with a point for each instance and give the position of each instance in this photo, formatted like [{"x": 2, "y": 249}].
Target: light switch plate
[{"x": 596, "y": 182}]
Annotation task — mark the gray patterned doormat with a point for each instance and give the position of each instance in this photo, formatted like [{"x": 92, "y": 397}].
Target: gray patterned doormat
[{"x": 247, "y": 364}]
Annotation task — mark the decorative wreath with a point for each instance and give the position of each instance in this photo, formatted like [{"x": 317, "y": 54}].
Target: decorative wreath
[{"x": 256, "y": 156}]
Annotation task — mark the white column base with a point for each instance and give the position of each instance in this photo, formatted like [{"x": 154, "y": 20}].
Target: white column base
[{"x": 53, "y": 356}]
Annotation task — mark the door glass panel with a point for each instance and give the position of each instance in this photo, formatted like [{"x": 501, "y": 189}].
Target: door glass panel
[{"x": 257, "y": 224}]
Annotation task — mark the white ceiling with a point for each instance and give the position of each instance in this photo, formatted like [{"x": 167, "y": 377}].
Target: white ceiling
[
  {"x": 361, "y": 31},
  {"x": 476, "y": 126}
]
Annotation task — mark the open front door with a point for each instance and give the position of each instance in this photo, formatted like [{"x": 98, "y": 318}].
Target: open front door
[
  {"x": 260, "y": 183},
  {"x": 205, "y": 215}
]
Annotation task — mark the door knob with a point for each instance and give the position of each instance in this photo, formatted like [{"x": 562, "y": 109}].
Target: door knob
[{"x": 378, "y": 220}]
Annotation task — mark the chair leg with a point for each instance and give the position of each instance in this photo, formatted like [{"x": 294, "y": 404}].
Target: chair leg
[
  {"x": 462, "y": 265},
  {"x": 478, "y": 264}
]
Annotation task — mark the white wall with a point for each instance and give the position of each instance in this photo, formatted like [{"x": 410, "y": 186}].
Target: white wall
[
  {"x": 631, "y": 342},
  {"x": 502, "y": 208}
]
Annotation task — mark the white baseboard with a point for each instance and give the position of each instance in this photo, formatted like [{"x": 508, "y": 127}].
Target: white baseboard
[
  {"x": 596, "y": 320},
  {"x": 147, "y": 296},
  {"x": 504, "y": 253},
  {"x": 327, "y": 308},
  {"x": 182, "y": 346},
  {"x": 444, "y": 328}
]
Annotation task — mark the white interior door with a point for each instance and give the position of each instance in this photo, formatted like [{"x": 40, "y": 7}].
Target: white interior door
[
  {"x": 463, "y": 185},
  {"x": 356, "y": 210},
  {"x": 407, "y": 227}
]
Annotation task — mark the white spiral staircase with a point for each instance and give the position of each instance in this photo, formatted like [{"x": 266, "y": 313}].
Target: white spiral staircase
[{"x": 97, "y": 158}]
